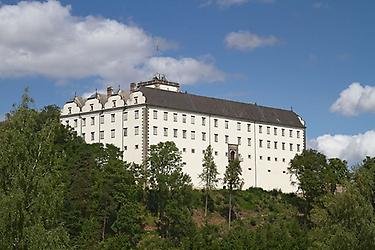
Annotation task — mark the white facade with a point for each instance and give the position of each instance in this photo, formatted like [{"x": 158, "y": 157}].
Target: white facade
[{"x": 132, "y": 124}]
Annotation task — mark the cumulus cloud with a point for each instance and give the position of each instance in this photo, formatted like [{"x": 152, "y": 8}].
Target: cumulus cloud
[
  {"x": 354, "y": 100},
  {"x": 352, "y": 148},
  {"x": 44, "y": 38},
  {"x": 245, "y": 40}
]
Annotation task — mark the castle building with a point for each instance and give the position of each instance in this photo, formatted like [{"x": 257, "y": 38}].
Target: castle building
[{"x": 264, "y": 139}]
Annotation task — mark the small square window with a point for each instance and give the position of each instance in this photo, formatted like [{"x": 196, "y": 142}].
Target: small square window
[
  {"x": 136, "y": 146},
  {"x": 193, "y": 151},
  {"x": 268, "y": 158}
]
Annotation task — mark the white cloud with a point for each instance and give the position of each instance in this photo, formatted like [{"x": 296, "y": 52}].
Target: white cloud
[
  {"x": 352, "y": 148},
  {"x": 244, "y": 40},
  {"x": 44, "y": 38},
  {"x": 354, "y": 100}
]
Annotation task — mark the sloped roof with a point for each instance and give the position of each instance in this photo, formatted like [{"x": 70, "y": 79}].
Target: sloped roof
[{"x": 220, "y": 107}]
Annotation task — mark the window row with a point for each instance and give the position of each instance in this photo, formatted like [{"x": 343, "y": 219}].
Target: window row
[
  {"x": 275, "y": 131},
  {"x": 275, "y": 145}
]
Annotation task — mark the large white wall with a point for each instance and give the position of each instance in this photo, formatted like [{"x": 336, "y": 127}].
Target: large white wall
[{"x": 261, "y": 166}]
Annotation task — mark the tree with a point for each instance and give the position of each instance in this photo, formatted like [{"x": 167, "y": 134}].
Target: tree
[
  {"x": 31, "y": 186},
  {"x": 170, "y": 189},
  {"x": 233, "y": 180},
  {"x": 316, "y": 176},
  {"x": 209, "y": 175}
]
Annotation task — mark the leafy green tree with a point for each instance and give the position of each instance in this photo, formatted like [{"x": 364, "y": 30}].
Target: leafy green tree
[
  {"x": 31, "y": 187},
  {"x": 316, "y": 176},
  {"x": 233, "y": 180},
  {"x": 344, "y": 221},
  {"x": 209, "y": 175},
  {"x": 170, "y": 190}
]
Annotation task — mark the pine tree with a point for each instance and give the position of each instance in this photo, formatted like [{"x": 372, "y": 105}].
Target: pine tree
[
  {"x": 209, "y": 175},
  {"x": 233, "y": 180}
]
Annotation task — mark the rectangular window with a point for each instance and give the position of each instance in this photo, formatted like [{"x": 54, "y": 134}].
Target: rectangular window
[
  {"x": 113, "y": 118},
  {"x": 165, "y": 131},
  {"x": 175, "y": 133},
  {"x": 135, "y": 100},
  {"x": 203, "y": 136},
  {"x": 92, "y": 136},
  {"x": 175, "y": 117},
  {"x": 216, "y": 137},
  {"x": 298, "y": 134},
  {"x": 216, "y": 153},
  {"x": 192, "y": 150},
  {"x": 184, "y": 150},
  {"x": 84, "y": 136},
  {"x": 70, "y": 110},
  {"x": 203, "y": 121},
  {"x": 275, "y": 131},
  {"x": 125, "y": 131},
  {"x": 113, "y": 133},
  {"x": 283, "y": 146},
  {"x": 298, "y": 148},
  {"x": 248, "y": 141},
  {"x": 248, "y": 127},
  {"x": 238, "y": 126},
  {"x": 260, "y": 143},
  {"x": 268, "y": 144},
  {"x": 125, "y": 116},
  {"x": 239, "y": 140},
  {"x": 184, "y": 118},
  {"x": 165, "y": 116},
  {"x": 260, "y": 129},
  {"x": 184, "y": 134},
  {"x": 226, "y": 124},
  {"x": 226, "y": 138},
  {"x": 92, "y": 107},
  {"x": 192, "y": 119},
  {"x": 136, "y": 130},
  {"x": 83, "y": 122},
  {"x": 92, "y": 120},
  {"x": 215, "y": 123},
  {"x": 101, "y": 119},
  {"x": 290, "y": 133},
  {"x": 155, "y": 130},
  {"x": 268, "y": 130},
  {"x": 155, "y": 112},
  {"x": 193, "y": 135},
  {"x": 283, "y": 132},
  {"x": 136, "y": 114},
  {"x": 291, "y": 146},
  {"x": 75, "y": 123},
  {"x": 114, "y": 104},
  {"x": 101, "y": 135},
  {"x": 275, "y": 144}
]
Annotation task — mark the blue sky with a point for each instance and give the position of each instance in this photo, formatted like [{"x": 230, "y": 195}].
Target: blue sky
[{"x": 281, "y": 53}]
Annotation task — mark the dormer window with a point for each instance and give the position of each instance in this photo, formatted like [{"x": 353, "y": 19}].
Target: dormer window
[
  {"x": 114, "y": 104},
  {"x": 135, "y": 100},
  {"x": 69, "y": 110},
  {"x": 91, "y": 107}
]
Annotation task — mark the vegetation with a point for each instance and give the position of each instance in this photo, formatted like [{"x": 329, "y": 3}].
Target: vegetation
[{"x": 56, "y": 192}]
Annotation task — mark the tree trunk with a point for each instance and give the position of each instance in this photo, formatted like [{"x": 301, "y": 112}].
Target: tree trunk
[
  {"x": 230, "y": 209},
  {"x": 205, "y": 208},
  {"x": 103, "y": 230}
]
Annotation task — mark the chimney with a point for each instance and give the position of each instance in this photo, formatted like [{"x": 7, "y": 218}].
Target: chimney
[
  {"x": 133, "y": 87},
  {"x": 109, "y": 91}
]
